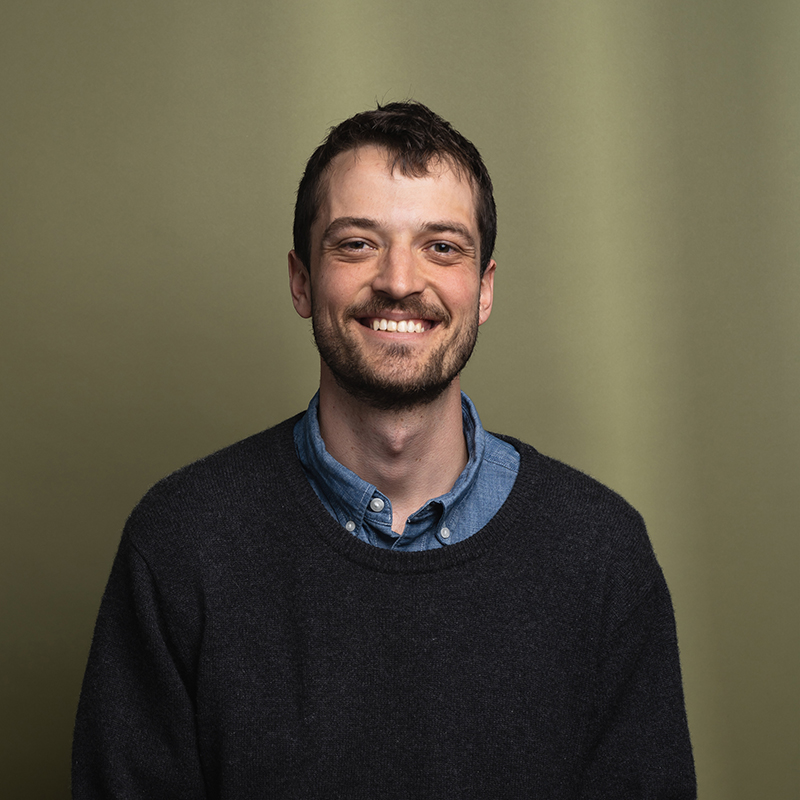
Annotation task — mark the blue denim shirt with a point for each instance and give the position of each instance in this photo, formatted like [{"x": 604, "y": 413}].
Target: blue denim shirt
[{"x": 360, "y": 508}]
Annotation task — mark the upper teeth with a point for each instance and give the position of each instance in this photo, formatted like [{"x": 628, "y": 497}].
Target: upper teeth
[{"x": 403, "y": 326}]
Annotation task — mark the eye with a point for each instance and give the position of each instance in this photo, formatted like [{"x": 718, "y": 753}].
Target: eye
[
  {"x": 356, "y": 247},
  {"x": 443, "y": 248}
]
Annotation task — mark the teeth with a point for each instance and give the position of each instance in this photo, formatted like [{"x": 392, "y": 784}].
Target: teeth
[{"x": 403, "y": 326}]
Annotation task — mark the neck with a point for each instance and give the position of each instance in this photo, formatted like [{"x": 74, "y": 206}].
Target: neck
[{"x": 411, "y": 455}]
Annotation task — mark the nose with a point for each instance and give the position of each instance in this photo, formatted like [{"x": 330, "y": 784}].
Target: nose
[{"x": 399, "y": 274}]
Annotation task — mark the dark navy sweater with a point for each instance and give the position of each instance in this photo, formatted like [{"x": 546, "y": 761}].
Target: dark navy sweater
[{"x": 249, "y": 647}]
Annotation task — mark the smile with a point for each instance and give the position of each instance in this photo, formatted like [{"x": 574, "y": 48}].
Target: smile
[{"x": 400, "y": 326}]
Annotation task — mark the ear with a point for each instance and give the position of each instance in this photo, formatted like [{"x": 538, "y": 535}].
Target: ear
[
  {"x": 487, "y": 293},
  {"x": 299, "y": 285}
]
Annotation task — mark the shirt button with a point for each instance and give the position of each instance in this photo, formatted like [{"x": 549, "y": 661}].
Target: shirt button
[
  {"x": 376, "y": 504},
  {"x": 445, "y": 533},
  {"x": 350, "y": 525}
]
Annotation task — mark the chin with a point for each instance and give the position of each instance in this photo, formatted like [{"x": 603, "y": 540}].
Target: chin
[
  {"x": 398, "y": 377},
  {"x": 386, "y": 396}
]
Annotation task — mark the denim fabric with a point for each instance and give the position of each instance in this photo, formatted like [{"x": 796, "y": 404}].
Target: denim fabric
[{"x": 475, "y": 498}]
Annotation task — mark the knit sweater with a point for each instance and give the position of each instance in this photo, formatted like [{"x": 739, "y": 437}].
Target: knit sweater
[{"x": 249, "y": 647}]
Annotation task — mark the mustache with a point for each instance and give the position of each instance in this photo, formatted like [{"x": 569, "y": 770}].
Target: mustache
[{"x": 411, "y": 306}]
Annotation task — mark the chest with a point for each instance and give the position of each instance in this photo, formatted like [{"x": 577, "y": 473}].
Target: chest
[{"x": 312, "y": 671}]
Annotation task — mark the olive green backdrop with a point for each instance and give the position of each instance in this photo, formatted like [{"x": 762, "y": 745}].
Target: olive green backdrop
[{"x": 646, "y": 328}]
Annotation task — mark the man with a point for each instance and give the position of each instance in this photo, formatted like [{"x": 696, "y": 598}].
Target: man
[{"x": 377, "y": 598}]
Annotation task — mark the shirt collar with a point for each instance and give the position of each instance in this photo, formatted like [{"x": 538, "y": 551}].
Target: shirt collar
[{"x": 347, "y": 496}]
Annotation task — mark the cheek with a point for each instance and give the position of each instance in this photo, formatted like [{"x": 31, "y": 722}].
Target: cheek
[
  {"x": 326, "y": 292},
  {"x": 463, "y": 301},
  {"x": 330, "y": 301},
  {"x": 459, "y": 287}
]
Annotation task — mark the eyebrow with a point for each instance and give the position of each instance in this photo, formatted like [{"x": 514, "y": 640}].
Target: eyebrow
[
  {"x": 367, "y": 223},
  {"x": 348, "y": 222},
  {"x": 451, "y": 227}
]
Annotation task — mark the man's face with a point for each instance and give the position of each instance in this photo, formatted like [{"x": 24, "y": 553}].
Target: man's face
[{"x": 394, "y": 291}]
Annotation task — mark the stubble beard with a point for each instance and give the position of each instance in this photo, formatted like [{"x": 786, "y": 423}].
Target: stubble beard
[{"x": 395, "y": 386}]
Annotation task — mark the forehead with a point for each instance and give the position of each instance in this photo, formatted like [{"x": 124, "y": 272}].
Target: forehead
[{"x": 365, "y": 182}]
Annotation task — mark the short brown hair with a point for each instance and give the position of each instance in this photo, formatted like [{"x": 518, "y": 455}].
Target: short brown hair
[{"x": 414, "y": 136}]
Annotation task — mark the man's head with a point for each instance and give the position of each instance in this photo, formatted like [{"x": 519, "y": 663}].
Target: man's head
[
  {"x": 416, "y": 140},
  {"x": 391, "y": 263}
]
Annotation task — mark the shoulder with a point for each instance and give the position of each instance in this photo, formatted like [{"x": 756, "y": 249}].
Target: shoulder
[
  {"x": 567, "y": 490},
  {"x": 583, "y": 524},
  {"x": 233, "y": 488}
]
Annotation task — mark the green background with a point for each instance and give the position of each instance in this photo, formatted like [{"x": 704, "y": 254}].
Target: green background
[{"x": 646, "y": 157}]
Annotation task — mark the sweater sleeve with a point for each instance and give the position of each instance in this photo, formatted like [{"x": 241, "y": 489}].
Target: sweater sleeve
[
  {"x": 640, "y": 743},
  {"x": 135, "y": 733}
]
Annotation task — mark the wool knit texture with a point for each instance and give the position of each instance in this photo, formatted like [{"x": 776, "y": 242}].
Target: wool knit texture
[{"x": 249, "y": 647}]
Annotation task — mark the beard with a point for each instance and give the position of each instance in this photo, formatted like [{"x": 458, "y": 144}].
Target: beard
[{"x": 400, "y": 383}]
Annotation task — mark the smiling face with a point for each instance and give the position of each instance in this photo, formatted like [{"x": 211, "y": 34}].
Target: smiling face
[{"x": 394, "y": 291}]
